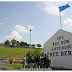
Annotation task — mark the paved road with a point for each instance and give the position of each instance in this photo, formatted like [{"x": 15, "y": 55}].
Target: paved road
[
  {"x": 4, "y": 61},
  {"x": 7, "y": 68}
]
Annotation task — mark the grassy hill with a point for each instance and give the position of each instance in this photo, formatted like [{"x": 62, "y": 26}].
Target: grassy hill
[{"x": 9, "y": 53}]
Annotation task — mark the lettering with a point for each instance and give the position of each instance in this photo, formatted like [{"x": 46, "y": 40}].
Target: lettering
[
  {"x": 66, "y": 53},
  {"x": 60, "y": 37},
  {"x": 69, "y": 52},
  {"x": 50, "y": 54},
  {"x": 57, "y": 53},
  {"x": 62, "y": 53},
  {"x": 56, "y": 43},
  {"x": 53, "y": 54},
  {"x": 65, "y": 42},
  {"x": 61, "y": 47}
]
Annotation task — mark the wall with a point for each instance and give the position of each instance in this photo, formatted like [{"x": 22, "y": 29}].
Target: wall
[
  {"x": 1, "y": 45},
  {"x": 59, "y": 48}
]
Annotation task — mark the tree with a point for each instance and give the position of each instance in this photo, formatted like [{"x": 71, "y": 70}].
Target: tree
[
  {"x": 28, "y": 54},
  {"x": 23, "y": 44},
  {"x": 33, "y": 45},
  {"x": 35, "y": 53},
  {"x": 14, "y": 42},
  {"x": 18, "y": 43},
  {"x": 28, "y": 45},
  {"x": 7, "y": 42},
  {"x": 39, "y": 45}
]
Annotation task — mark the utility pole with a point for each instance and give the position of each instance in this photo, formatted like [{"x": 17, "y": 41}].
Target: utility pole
[{"x": 30, "y": 42}]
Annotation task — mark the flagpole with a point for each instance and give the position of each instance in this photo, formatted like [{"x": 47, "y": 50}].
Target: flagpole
[
  {"x": 61, "y": 8},
  {"x": 60, "y": 19}
]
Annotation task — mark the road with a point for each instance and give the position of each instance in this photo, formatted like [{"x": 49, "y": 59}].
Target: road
[
  {"x": 7, "y": 68},
  {"x": 4, "y": 61}
]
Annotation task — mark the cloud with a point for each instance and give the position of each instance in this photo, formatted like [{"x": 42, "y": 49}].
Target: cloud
[
  {"x": 16, "y": 30},
  {"x": 68, "y": 22},
  {"x": 30, "y": 27},
  {"x": 15, "y": 35},
  {"x": 52, "y": 7},
  {"x": 20, "y": 28},
  {"x": 1, "y": 23}
]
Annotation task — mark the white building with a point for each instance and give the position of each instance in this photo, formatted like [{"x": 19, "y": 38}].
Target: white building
[{"x": 59, "y": 48}]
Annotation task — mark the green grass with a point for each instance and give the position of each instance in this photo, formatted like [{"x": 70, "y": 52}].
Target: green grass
[
  {"x": 17, "y": 65},
  {"x": 9, "y": 53},
  {"x": 12, "y": 52}
]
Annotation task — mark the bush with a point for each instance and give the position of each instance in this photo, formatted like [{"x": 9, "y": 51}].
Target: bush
[
  {"x": 35, "y": 53},
  {"x": 28, "y": 54}
]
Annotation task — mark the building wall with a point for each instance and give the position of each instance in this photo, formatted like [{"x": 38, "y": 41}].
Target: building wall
[
  {"x": 59, "y": 48},
  {"x": 1, "y": 45}
]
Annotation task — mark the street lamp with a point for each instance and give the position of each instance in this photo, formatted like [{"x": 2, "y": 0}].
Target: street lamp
[{"x": 30, "y": 42}]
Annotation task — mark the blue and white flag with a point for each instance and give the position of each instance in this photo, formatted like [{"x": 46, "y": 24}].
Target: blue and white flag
[{"x": 61, "y": 8}]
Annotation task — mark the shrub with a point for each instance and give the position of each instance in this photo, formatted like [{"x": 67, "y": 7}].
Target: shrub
[
  {"x": 35, "y": 53},
  {"x": 28, "y": 54}
]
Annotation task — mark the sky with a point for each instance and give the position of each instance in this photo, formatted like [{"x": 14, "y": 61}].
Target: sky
[{"x": 42, "y": 17}]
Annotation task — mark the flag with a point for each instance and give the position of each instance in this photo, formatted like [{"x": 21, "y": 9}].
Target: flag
[{"x": 61, "y": 8}]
